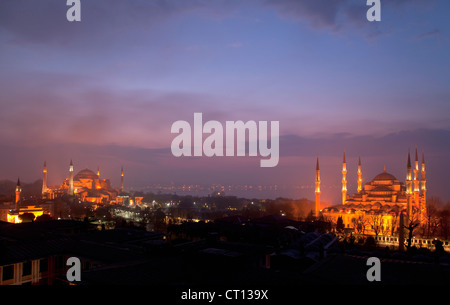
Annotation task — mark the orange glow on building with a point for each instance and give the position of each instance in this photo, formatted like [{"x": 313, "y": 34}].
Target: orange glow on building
[
  {"x": 86, "y": 185},
  {"x": 377, "y": 205},
  {"x": 14, "y": 216}
]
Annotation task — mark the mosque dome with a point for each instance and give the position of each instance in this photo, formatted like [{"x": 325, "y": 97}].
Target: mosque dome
[
  {"x": 85, "y": 174},
  {"x": 384, "y": 176}
]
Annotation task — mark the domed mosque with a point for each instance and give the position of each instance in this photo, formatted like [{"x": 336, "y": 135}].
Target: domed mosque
[
  {"x": 382, "y": 199},
  {"x": 86, "y": 184}
]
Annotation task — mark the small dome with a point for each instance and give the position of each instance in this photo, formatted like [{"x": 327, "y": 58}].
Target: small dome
[{"x": 384, "y": 176}]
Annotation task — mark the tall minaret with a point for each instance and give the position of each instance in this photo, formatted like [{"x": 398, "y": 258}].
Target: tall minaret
[
  {"x": 423, "y": 187},
  {"x": 317, "y": 205},
  {"x": 44, "y": 179},
  {"x": 121, "y": 180},
  {"x": 408, "y": 176},
  {"x": 409, "y": 192},
  {"x": 422, "y": 173},
  {"x": 98, "y": 172},
  {"x": 18, "y": 191},
  {"x": 359, "y": 175},
  {"x": 71, "y": 178},
  {"x": 416, "y": 180},
  {"x": 344, "y": 181}
]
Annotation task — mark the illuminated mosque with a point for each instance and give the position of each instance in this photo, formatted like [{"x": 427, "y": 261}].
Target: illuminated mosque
[
  {"x": 86, "y": 186},
  {"x": 377, "y": 206}
]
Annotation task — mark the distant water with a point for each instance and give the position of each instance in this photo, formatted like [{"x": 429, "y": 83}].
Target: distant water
[{"x": 250, "y": 193}]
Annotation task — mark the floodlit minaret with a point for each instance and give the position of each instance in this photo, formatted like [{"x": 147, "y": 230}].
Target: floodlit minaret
[
  {"x": 359, "y": 175},
  {"x": 121, "y": 180},
  {"x": 344, "y": 181},
  {"x": 422, "y": 173},
  {"x": 409, "y": 192},
  {"x": 18, "y": 191},
  {"x": 416, "y": 180},
  {"x": 98, "y": 172},
  {"x": 71, "y": 178},
  {"x": 44, "y": 179},
  {"x": 423, "y": 187},
  {"x": 408, "y": 176},
  {"x": 317, "y": 205}
]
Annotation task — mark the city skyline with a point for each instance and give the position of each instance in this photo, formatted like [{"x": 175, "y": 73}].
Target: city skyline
[
  {"x": 105, "y": 91},
  {"x": 330, "y": 187}
]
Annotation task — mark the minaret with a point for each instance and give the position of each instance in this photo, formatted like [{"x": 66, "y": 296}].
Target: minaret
[
  {"x": 18, "y": 191},
  {"x": 409, "y": 192},
  {"x": 423, "y": 186},
  {"x": 71, "y": 178},
  {"x": 98, "y": 172},
  {"x": 344, "y": 181},
  {"x": 317, "y": 191},
  {"x": 408, "y": 176},
  {"x": 416, "y": 180},
  {"x": 121, "y": 180},
  {"x": 44, "y": 179},
  {"x": 359, "y": 175},
  {"x": 422, "y": 173}
]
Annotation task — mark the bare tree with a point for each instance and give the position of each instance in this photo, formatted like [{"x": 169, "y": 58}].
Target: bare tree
[
  {"x": 385, "y": 228},
  {"x": 376, "y": 223},
  {"x": 444, "y": 221},
  {"x": 394, "y": 223},
  {"x": 359, "y": 223},
  {"x": 411, "y": 223},
  {"x": 432, "y": 216}
]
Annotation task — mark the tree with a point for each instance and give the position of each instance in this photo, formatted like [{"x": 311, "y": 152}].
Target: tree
[
  {"x": 159, "y": 220},
  {"x": 44, "y": 217},
  {"x": 311, "y": 216},
  {"x": 444, "y": 222},
  {"x": 340, "y": 224},
  {"x": 27, "y": 217},
  {"x": 376, "y": 223},
  {"x": 394, "y": 223},
  {"x": 103, "y": 213},
  {"x": 411, "y": 224},
  {"x": 359, "y": 223},
  {"x": 77, "y": 210},
  {"x": 431, "y": 219}
]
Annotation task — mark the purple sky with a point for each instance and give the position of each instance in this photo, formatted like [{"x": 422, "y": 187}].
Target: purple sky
[{"x": 105, "y": 91}]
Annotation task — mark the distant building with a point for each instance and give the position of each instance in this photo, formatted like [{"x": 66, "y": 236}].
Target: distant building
[
  {"x": 15, "y": 215},
  {"x": 86, "y": 184}
]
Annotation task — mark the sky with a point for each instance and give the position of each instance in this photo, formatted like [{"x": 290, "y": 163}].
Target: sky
[{"x": 105, "y": 91}]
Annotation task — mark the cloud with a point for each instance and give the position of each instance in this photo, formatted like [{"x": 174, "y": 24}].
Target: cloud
[
  {"x": 102, "y": 22},
  {"x": 429, "y": 34},
  {"x": 319, "y": 13},
  {"x": 76, "y": 108},
  {"x": 344, "y": 16}
]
